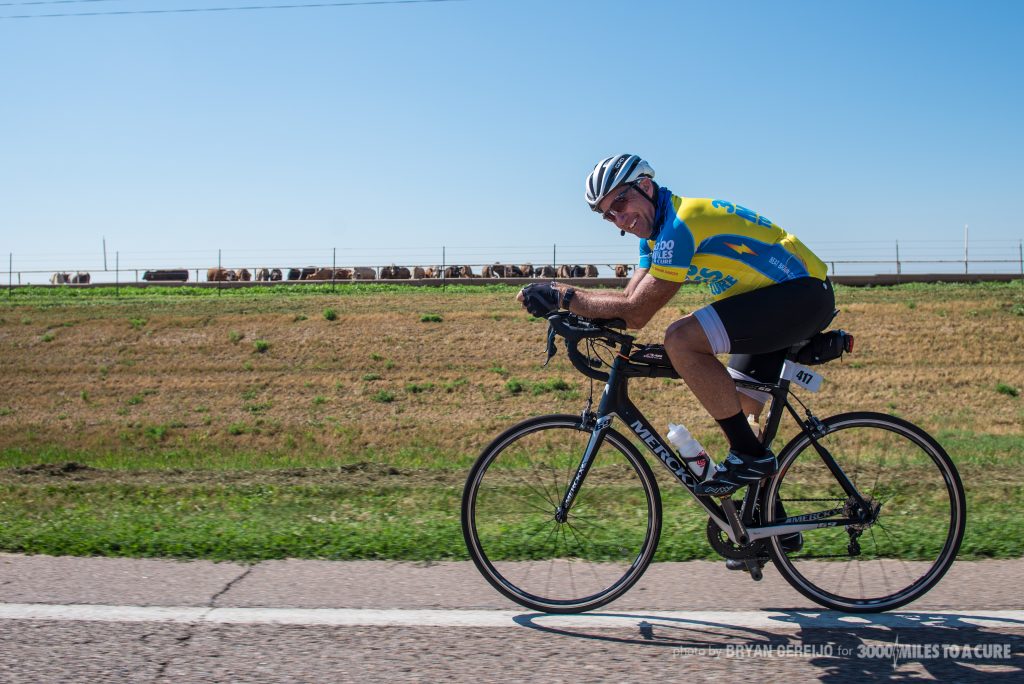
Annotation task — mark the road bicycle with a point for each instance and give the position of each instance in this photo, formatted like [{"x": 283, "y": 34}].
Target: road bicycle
[{"x": 562, "y": 514}]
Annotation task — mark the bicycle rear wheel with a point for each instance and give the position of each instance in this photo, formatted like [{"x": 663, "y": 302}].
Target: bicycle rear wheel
[
  {"x": 904, "y": 548},
  {"x": 508, "y": 516}
]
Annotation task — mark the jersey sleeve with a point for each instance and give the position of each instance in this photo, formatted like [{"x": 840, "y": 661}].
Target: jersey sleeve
[
  {"x": 645, "y": 255},
  {"x": 672, "y": 253}
]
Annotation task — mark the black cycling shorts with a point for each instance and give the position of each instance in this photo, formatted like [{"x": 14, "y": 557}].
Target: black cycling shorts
[{"x": 759, "y": 327}]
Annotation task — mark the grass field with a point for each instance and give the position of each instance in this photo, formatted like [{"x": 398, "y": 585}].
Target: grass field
[{"x": 305, "y": 422}]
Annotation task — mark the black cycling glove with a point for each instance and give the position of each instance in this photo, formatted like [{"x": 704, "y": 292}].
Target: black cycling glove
[{"x": 540, "y": 299}]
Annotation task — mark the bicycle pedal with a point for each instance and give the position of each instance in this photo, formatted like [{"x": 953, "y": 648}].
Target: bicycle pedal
[
  {"x": 754, "y": 568},
  {"x": 741, "y": 564}
]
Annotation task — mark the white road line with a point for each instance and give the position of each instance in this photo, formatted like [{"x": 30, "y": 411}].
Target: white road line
[{"x": 365, "y": 617}]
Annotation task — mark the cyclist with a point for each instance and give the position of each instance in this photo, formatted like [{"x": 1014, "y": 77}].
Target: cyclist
[{"x": 769, "y": 290}]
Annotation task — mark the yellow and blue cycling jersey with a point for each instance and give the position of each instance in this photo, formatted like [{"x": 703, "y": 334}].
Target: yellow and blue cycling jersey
[{"x": 729, "y": 247}]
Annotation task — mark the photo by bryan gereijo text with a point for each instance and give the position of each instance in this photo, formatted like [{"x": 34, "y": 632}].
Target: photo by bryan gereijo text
[{"x": 895, "y": 651}]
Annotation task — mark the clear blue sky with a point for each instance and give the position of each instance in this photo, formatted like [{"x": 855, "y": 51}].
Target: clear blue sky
[{"x": 393, "y": 130}]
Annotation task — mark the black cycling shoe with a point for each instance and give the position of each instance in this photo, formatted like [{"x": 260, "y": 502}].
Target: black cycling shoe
[
  {"x": 791, "y": 543},
  {"x": 737, "y": 471},
  {"x": 737, "y": 564}
]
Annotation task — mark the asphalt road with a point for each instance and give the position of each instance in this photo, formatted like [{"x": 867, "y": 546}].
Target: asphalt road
[{"x": 122, "y": 620}]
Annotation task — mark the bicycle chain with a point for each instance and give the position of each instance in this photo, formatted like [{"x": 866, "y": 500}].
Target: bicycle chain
[
  {"x": 726, "y": 548},
  {"x": 836, "y": 500},
  {"x": 832, "y": 555}
]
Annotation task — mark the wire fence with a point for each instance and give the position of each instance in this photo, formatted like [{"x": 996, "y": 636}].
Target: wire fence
[{"x": 841, "y": 257}]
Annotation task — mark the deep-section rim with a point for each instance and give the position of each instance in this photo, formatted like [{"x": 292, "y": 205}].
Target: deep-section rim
[
  {"x": 953, "y": 541},
  {"x": 508, "y": 589}
]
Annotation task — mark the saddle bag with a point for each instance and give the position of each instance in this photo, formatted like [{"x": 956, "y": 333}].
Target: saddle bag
[{"x": 824, "y": 347}]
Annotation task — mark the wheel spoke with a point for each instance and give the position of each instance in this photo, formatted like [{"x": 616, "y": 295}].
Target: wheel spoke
[{"x": 542, "y": 494}]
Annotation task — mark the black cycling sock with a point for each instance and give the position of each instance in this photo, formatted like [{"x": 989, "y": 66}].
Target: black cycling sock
[{"x": 741, "y": 437}]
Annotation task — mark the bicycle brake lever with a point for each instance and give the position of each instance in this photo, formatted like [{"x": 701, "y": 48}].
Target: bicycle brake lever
[{"x": 551, "y": 348}]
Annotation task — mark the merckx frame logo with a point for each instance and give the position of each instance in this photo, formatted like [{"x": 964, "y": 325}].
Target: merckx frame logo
[
  {"x": 807, "y": 517},
  {"x": 665, "y": 455}
]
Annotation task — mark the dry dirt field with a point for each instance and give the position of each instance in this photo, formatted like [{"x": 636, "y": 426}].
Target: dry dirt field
[
  {"x": 179, "y": 380},
  {"x": 250, "y": 425}
]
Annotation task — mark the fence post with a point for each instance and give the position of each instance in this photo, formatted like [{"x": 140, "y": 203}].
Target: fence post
[
  {"x": 554, "y": 258},
  {"x": 10, "y": 275},
  {"x": 444, "y": 267},
  {"x": 899, "y": 269},
  {"x": 1020, "y": 251},
  {"x": 220, "y": 276},
  {"x": 117, "y": 274},
  {"x": 334, "y": 265},
  {"x": 966, "y": 260}
]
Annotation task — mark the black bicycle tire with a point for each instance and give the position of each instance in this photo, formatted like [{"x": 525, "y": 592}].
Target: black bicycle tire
[
  {"x": 947, "y": 556},
  {"x": 507, "y": 588}
]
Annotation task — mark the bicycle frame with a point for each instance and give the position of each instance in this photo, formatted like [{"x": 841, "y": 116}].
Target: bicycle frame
[
  {"x": 609, "y": 525},
  {"x": 615, "y": 401}
]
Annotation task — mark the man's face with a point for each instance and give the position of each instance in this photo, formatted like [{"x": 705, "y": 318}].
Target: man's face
[{"x": 630, "y": 212}]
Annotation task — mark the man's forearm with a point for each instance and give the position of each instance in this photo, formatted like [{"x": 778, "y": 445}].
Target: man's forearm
[
  {"x": 635, "y": 306},
  {"x": 594, "y": 304}
]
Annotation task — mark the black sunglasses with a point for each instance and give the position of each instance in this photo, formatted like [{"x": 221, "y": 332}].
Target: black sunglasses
[{"x": 618, "y": 204}]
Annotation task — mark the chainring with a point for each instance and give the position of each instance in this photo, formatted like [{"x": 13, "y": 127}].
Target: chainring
[{"x": 726, "y": 548}]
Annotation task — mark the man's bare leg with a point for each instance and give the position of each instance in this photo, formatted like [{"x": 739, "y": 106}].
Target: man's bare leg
[
  {"x": 691, "y": 355},
  {"x": 690, "y": 352},
  {"x": 748, "y": 461},
  {"x": 751, "y": 405}
]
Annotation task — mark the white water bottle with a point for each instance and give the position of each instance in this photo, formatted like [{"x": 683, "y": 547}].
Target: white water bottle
[{"x": 691, "y": 451}]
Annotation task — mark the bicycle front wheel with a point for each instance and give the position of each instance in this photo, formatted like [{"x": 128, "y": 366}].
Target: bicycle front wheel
[
  {"x": 907, "y": 540},
  {"x": 605, "y": 541}
]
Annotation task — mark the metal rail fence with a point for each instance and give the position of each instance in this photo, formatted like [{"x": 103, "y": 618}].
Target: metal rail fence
[{"x": 852, "y": 260}]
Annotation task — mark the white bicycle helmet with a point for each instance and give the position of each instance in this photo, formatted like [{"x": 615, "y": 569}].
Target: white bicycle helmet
[{"x": 612, "y": 172}]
